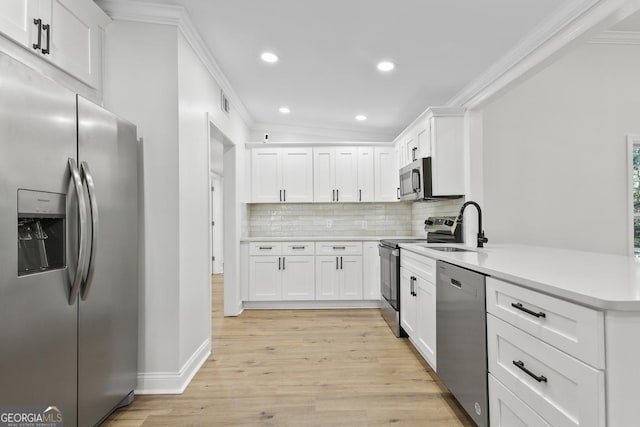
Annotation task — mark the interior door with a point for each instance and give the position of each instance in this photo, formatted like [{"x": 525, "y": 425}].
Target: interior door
[
  {"x": 108, "y": 310},
  {"x": 37, "y": 324}
]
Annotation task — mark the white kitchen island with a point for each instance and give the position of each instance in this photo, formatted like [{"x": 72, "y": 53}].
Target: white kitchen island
[{"x": 572, "y": 319}]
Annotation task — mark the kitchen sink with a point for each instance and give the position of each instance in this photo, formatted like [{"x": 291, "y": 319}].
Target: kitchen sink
[{"x": 449, "y": 249}]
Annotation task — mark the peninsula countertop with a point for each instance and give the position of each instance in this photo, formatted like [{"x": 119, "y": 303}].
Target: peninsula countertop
[{"x": 602, "y": 281}]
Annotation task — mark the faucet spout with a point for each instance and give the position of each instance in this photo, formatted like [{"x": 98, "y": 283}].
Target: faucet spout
[{"x": 481, "y": 240}]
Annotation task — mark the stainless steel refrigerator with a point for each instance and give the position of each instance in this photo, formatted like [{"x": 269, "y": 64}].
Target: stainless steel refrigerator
[{"x": 68, "y": 251}]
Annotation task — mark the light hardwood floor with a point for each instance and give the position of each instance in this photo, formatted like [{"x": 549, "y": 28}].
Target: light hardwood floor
[{"x": 302, "y": 368}]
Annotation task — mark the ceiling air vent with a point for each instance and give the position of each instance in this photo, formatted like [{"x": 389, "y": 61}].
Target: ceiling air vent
[{"x": 224, "y": 102}]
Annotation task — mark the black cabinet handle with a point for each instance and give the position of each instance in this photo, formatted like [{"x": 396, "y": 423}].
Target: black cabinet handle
[
  {"x": 263, "y": 248},
  {"x": 398, "y": 193},
  {"x": 38, "y": 22},
  {"x": 342, "y": 248},
  {"x": 520, "y": 364},
  {"x": 340, "y": 263},
  {"x": 336, "y": 263},
  {"x": 520, "y": 307},
  {"x": 283, "y": 263},
  {"x": 284, "y": 195},
  {"x": 333, "y": 195},
  {"x": 456, "y": 283},
  {"x": 280, "y": 195},
  {"x": 297, "y": 247},
  {"x": 337, "y": 195},
  {"x": 279, "y": 262},
  {"x": 47, "y": 28}
]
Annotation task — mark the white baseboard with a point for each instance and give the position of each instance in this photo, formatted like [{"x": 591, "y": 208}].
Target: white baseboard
[
  {"x": 310, "y": 305},
  {"x": 174, "y": 382}
]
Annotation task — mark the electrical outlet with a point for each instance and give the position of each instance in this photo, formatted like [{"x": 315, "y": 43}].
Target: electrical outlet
[{"x": 329, "y": 223}]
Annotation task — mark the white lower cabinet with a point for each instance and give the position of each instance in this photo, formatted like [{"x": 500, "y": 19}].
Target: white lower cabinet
[
  {"x": 370, "y": 271},
  {"x": 506, "y": 410},
  {"x": 265, "y": 280},
  {"x": 339, "y": 277},
  {"x": 418, "y": 303},
  {"x": 297, "y": 274},
  {"x": 559, "y": 388}
]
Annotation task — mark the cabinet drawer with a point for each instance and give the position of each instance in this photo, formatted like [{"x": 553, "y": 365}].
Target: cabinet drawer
[
  {"x": 265, "y": 248},
  {"x": 563, "y": 390},
  {"x": 420, "y": 265},
  {"x": 298, "y": 248},
  {"x": 338, "y": 248},
  {"x": 570, "y": 327},
  {"x": 506, "y": 410}
]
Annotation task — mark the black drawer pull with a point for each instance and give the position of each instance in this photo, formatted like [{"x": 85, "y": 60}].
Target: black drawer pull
[
  {"x": 520, "y": 364},
  {"x": 262, "y": 248},
  {"x": 297, "y": 247},
  {"x": 456, "y": 283},
  {"x": 342, "y": 248},
  {"x": 526, "y": 310}
]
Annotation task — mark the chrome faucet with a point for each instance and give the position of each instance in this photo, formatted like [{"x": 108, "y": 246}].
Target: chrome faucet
[{"x": 481, "y": 238}]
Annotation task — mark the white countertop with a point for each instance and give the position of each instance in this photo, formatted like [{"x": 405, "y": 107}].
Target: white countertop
[
  {"x": 603, "y": 281},
  {"x": 326, "y": 238}
]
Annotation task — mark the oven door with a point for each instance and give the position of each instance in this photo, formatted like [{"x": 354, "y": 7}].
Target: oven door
[{"x": 389, "y": 274}]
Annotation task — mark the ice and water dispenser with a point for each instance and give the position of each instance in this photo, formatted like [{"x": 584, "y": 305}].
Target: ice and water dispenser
[{"x": 41, "y": 231}]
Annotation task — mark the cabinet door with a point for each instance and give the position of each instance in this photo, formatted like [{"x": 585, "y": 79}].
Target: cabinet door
[
  {"x": 365, "y": 174},
  {"x": 386, "y": 174},
  {"x": 266, "y": 175},
  {"x": 75, "y": 38},
  {"x": 423, "y": 138},
  {"x": 447, "y": 134},
  {"x": 265, "y": 279},
  {"x": 324, "y": 184},
  {"x": 327, "y": 276},
  {"x": 426, "y": 319},
  {"x": 297, "y": 175},
  {"x": 16, "y": 21},
  {"x": 407, "y": 304},
  {"x": 346, "y": 172},
  {"x": 298, "y": 278},
  {"x": 351, "y": 277},
  {"x": 370, "y": 271}
]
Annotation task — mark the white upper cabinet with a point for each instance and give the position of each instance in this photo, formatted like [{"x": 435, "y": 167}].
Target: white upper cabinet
[
  {"x": 438, "y": 133},
  {"x": 385, "y": 174},
  {"x": 335, "y": 174},
  {"x": 281, "y": 175},
  {"x": 67, "y": 33},
  {"x": 16, "y": 19},
  {"x": 366, "y": 175},
  {"x": 297, "y": 175}
]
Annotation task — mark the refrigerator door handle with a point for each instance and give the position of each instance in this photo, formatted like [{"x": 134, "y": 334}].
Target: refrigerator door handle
[
  {"x": 93, "y": 206},
  {"x": 82, "y": 250}
]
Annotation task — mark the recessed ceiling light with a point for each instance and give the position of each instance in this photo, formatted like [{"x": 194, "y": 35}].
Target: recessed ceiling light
[
  {"x": 285, "y": 110},
  {"x": 269, "y": 57},
  {"x": 386, "y": 66},
  {"x": 361, "y": 117}
]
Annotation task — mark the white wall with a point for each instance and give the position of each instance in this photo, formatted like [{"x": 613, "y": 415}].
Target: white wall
[
  {"x": 555, "y": 152},
  {"x": 139, "y": 61},
  {"x": 154, "y": 78}
]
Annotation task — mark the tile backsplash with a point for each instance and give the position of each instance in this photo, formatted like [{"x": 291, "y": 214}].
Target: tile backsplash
[{"x": 332, "y": 219}]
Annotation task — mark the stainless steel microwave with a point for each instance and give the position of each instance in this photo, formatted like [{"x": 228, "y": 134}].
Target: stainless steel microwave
[{"x": 416, "y": 181}]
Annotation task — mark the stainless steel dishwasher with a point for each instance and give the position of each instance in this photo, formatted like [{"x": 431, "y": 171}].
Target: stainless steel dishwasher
[{"x": 461, "y": 339}]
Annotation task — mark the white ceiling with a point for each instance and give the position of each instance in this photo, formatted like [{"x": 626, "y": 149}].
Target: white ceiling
[
  {"x": 329, "y": 48},
  {"x": 631, "y": 24}
]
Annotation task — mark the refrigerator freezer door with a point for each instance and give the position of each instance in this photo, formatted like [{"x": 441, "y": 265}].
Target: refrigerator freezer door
[
  {"x": 38, "y": 329},
  {"x": 108, "y": 319}
]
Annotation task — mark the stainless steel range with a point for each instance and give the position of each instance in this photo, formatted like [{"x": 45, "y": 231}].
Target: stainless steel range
[{"x": 441, "y": 229}]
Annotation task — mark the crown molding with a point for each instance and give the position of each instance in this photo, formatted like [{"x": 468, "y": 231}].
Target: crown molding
[
  {"x": 617, "y": 37},
  {"x": 318, "y": 134},
  {"x": 163, "y": 14},
  {"x": 573, "y": 23}
]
